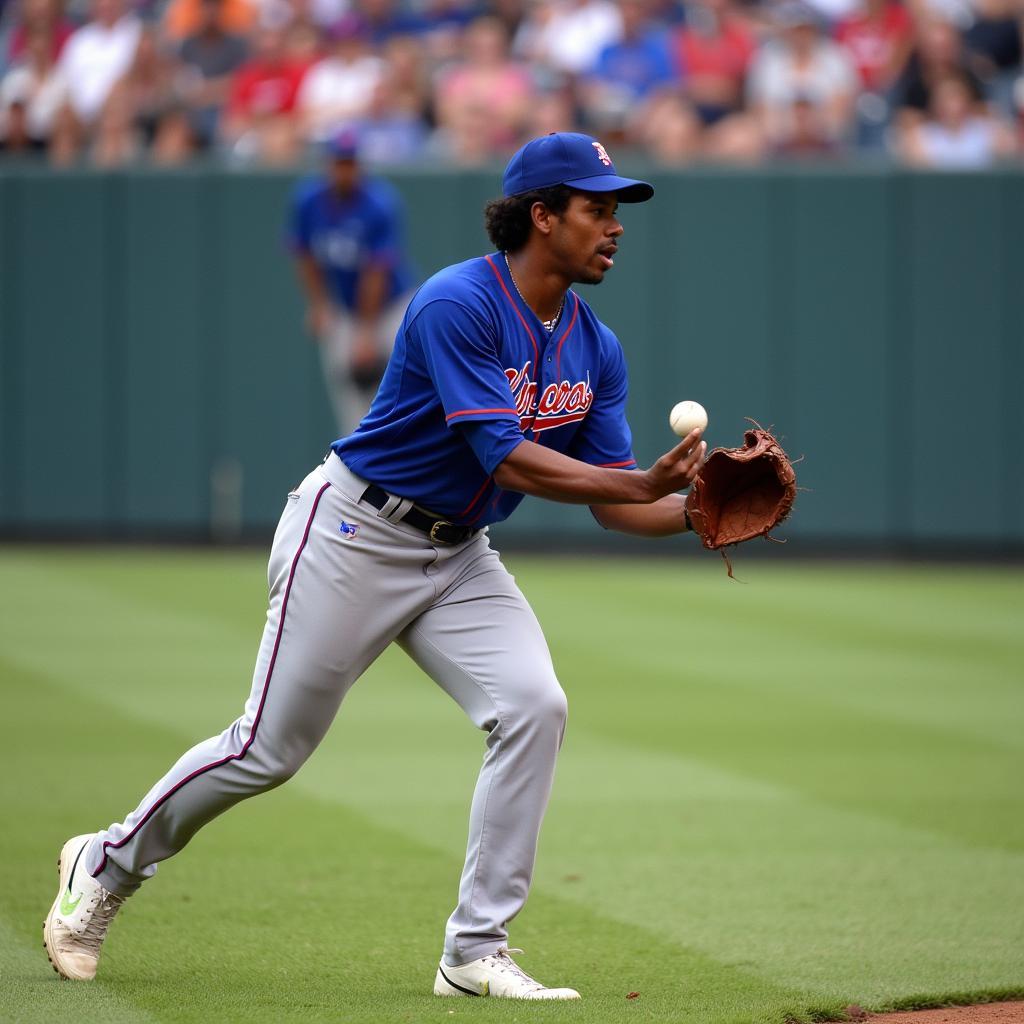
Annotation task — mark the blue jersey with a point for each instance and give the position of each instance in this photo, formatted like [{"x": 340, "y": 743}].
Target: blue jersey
[
  {"x": 638, "y": 66},
  {"x": 346, "y": 234},
  {"x": 472, "y": 375}
]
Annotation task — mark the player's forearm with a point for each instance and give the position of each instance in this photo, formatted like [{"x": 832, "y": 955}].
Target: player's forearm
[
  {"x": 533, "y": 469},
  {"x": 662, "y": 518},
  {"x": 312, "y": 280},
  {"x": 372, "y": 291}
]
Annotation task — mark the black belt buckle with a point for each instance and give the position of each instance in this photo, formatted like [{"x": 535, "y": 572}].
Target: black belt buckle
[{"x": 439, "y": 525}]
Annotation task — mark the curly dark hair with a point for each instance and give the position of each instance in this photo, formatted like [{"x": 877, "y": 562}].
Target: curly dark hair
[{"x": 508, "y": 220}]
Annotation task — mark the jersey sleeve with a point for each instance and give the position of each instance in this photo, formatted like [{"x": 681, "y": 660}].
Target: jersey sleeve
[
  {"x": 383, "y": 241},
  {"x": 461, "y": 355},
  {"x": 604, "y": 438}
]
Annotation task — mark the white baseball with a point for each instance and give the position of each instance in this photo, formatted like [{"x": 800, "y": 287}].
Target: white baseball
[{"x": 687, "y": 416}]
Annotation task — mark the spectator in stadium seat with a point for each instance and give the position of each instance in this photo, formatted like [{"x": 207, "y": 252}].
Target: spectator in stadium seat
[
  {"x": 713, "y": 51},
  {"x": 408, "y": 73},
  {"x": 1018, "y": 112},
  {"x": 670, "y": 131},
  {"x": 384, "y": 19},
  {"x": 143, "y": 113},
  {"x": 304, "y": 43},
  {"x": 484, "y": 82},
  {"x": 801, "y": 64},
  {"x": 39, "y": 15},
  {"x": 338, "y": 89},
  {"x": 956, "y": 134},
  {"x": 938, "y": 54},
  {"x": 809, "y": 134},
  {"x": 566, "y": 36},
  {"x": 628, "y": 73},
  {"x": 394, "y": 129},
  {"x": 511, "y": 13},
  {"x": 878, "y": 39},
  {"x": 259, "y": 123},
  {"x": 553, "y": 111},
  {"x": 443, "y": 24},
  {"x": 209, "y": 58},
  {"x": 994, "y": 49},
  {"x": 319, "y": 15},
  {"x": 93, "y": 60},
  {"x": 31, "y": 94},
  {"x": 184, "y": 18}
]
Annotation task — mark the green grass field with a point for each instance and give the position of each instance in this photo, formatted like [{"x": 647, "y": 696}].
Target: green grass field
[{"x": 774, "y": 800}]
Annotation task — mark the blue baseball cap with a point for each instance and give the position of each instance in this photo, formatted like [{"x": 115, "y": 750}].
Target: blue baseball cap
[
  {"x": 573, "y": 159},
  {"x": 344, "y": 144}
]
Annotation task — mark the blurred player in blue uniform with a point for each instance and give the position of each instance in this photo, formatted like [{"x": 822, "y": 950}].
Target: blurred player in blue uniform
[
  {"x": 502, "y": 383},
  {"x": 346, "y": 232}
]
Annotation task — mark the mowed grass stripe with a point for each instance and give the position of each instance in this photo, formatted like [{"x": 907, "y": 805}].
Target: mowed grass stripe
[
  {"x": 933, "y": 606},
  {"x": 934, "y": 779},
  {"x": 967, "y": 601},
  {"x": 289, "y": 909},
  {"x": 803, "y": 892},
  {"x": 602, "y": 684},
  {"x": 192, "y": 657},
  {"x": 835, "y": 665},
  {"x": 930, "y": 647},
  {"x": 137, "y": 653},
  {"x": 914, "y": 614},
  {"x": 766, "y": 702}
]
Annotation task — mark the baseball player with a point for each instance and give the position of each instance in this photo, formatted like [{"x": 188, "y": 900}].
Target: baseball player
[
  {"x": 346, "y": 232},
  {"x": 502, "y": 383}
]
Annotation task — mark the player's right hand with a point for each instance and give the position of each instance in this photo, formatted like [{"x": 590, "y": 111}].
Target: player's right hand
[{"x": 677, "y": 469}]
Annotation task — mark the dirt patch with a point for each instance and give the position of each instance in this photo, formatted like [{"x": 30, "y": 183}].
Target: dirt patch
[{"x": 988, "y": 1013}]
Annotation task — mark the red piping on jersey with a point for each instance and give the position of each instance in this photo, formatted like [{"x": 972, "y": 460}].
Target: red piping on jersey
[
  {"x": 561, "y": 340},
  {"x": 259, "y": 712},
  {"x": 616, "y": 465},
  {"x": 473, "y": 412},
  {"x": 522, "y": 319},
  {"x": 483, "y": 507},
  {"x": 476, "y": 498}
]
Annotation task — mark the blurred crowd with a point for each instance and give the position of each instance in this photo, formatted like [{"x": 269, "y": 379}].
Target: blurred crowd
[{"x": 463, "y": 82}]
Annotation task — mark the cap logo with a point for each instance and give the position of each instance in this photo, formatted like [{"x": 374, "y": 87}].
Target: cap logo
[{"x": 602, "y": 154}]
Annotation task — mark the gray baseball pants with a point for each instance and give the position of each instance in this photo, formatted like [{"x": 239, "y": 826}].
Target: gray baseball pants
[
  {"x": 337, "y": 599},
  {"x": 351, "y": 404}
]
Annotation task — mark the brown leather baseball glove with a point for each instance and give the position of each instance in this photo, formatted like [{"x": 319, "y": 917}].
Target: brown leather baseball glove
[{"x": 741, "y": 493}]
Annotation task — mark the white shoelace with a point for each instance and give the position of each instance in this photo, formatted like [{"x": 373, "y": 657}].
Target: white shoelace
[
  {"x": 107, "y": 904},
  {"x": 509, "y": 966}
]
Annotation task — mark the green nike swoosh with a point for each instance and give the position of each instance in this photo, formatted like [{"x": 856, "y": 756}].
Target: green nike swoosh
[{"x": 66, "y": 905}]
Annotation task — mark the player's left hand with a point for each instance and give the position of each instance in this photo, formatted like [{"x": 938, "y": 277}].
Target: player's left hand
[{"x": 366, "y": 361}]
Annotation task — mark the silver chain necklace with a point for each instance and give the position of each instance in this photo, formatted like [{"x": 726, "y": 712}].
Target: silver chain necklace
[{"x": 548, "y": 325}]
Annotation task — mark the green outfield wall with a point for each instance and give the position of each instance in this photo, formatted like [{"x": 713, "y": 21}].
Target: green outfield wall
[{"x": 155, "y": 378}]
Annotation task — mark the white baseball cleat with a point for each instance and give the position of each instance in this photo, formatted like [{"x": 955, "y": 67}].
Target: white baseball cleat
[
  {"x": 78, "y": 921},
  {"x": 496, "y": 975}
]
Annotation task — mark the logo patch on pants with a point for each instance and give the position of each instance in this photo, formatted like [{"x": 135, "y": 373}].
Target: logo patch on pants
[{"x": 348, "y": 530}]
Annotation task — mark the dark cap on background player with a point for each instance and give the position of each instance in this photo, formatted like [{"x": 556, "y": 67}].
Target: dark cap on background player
[
  {"x": 343, "y": 145},
  {"x": 573, "y": 159},
  {"x": 342, "y": 153}
]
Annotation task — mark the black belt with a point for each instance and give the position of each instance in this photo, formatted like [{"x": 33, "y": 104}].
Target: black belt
[{"x": 440, "y": 531}]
